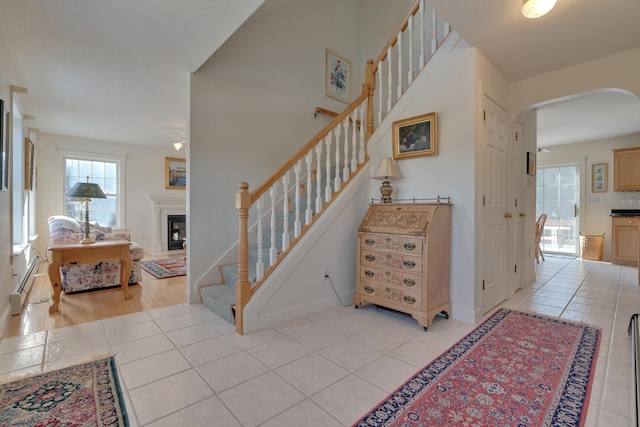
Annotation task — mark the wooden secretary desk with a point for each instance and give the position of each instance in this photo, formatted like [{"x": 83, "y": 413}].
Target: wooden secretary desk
[{"x": 403, "y": 256}]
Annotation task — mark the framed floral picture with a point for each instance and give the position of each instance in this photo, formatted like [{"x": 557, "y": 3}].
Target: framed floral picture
[
  {"x": 416, "y": 136},
  {"x": 338, "y": 77},
  {"x": 175, "y": 173}
]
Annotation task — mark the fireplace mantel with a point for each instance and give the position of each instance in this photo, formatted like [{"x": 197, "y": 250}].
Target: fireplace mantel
[{"x": 164, "y": 205}]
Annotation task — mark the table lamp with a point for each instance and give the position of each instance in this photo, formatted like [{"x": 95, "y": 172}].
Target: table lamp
[
  {"x": 86, "y": 191},
  {"x": 386, "y": 169}
]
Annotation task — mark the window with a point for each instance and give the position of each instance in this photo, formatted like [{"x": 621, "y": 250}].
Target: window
[{"x": 108, "y": 174}]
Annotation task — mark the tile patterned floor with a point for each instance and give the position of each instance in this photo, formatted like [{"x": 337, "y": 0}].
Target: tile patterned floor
[{"x": 182, "y": 365}]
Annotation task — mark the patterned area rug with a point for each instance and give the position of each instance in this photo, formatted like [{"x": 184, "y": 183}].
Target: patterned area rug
[
  {"x": 515, "y": 369},
  {"x": 165, "y": 267},
  {"x": 81, "y": 395}
]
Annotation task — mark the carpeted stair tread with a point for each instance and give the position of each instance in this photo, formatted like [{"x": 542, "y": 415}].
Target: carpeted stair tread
[{"x": 220, "y": 299}]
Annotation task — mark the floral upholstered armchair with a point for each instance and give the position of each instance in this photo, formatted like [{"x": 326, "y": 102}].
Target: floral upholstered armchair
[{"x": 104, "y": 274}]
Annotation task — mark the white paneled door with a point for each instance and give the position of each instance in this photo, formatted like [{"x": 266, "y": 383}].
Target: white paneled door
[{"x": 495, "y": 209}]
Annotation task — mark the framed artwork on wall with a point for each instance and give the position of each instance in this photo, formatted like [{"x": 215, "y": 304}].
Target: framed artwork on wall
[
  {"x": 416, "y": 136},
  {"x": 599, "y": 178},
  {"x": 337, "y": 77},
  {"x": 29, "y": 164},
  {"x": 531, "y": 163},
  {"x": 175, "y": 171}
]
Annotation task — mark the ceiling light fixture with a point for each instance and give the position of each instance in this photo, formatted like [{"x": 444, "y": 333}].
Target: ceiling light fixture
[
  {"x": 537, "y": 8},
  {"x": 179, "y": 143}
]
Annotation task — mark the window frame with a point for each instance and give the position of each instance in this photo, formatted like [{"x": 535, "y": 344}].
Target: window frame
[{"x": 120, "y": 162}]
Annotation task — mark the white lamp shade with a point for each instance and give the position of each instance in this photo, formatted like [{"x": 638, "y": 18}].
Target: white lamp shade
[
  {"x": 386, "y": 169},
  {"x": 537, "y": 8}
]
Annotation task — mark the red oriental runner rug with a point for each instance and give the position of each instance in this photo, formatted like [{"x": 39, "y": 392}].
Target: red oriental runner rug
[
  {"x": 514, "y": 369},
  {"x": 165, "y": 267},
  {"x": 81, "y": 395}
]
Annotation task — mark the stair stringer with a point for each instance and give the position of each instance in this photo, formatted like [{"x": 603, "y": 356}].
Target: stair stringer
[{"x": 296, "y": 287}]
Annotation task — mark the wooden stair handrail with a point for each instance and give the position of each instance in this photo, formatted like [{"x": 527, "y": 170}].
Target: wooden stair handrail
[{"x": 259, "y": 191}]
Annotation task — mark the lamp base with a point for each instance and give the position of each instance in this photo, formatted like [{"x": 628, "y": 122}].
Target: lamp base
[
  {"x": 385, "y": 191},
  {"x": 86, "y": 241}
]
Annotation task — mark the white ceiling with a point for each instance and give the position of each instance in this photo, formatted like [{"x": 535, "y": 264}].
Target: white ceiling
[{"x": 118, "y": 70}]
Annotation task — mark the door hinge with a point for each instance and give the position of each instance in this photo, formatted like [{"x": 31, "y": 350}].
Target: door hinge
[
  {"x": 517, "y": 136},
  {"x": 484, "y": 199},
  {"x": 484, "y": 115},
  {"x": 515, "y": 268},
  {"x": 483, "y": 285},
  {"x": 516, "y": 203}
]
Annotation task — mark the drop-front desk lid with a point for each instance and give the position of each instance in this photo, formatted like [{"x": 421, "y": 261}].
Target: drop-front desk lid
[
  {"x": 398, "y": 218},
  {"x": 625, "y": 212}
]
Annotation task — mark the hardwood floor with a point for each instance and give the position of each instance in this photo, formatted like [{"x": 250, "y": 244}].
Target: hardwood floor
[{"x": 92, "y": 305}]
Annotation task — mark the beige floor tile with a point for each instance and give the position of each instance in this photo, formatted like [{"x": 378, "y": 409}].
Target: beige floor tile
[
  {"x": 311, "y": 374},
  {"x": 387, "y": 373},
  {"x": 179, "y": 321},
  {"x": 208, "y": 413},
  {"x": 209, "y": 350},
  {"x": 230, "y": 371},
  {"x": 351, "y": 354},
  {"x": 159, "y": 399},
  {"x": 193, "y": 334},
  {"x": 260, "y": 399},
  {"x": 152, "y": 368},
  {"x": 305, "y": 413}
]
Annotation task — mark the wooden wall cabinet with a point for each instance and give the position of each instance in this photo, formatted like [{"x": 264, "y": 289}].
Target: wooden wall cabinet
[
  {"x": 624, "y": 248},
  {"x": 403, "y": 256},
  {"x": 626, "y": 169}
]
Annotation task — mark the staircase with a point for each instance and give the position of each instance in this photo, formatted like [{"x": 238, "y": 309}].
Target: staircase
[
  {"x": 221, "y": 298},
  {"x": 280, "y": 210}
]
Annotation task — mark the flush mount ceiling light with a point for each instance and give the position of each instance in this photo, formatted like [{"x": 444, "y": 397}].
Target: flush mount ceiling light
[
  {"x": 537, "y": 8},
  {"x": 179, "y": 142}
]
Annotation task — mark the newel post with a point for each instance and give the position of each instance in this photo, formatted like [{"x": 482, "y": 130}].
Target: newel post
[
  {"x": 370, "y": 81},
  {"x": 243, "y": 287}
]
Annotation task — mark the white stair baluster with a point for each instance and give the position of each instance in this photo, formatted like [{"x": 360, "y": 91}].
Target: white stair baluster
[
  {"x": 285, "y": 212},
  {"x": 260, "y": 262},
  {"x": 410, "y": 60},
  {"x": 434, "y": 32},
  {"x": 361, "y": 153},
  {"x": 422, "y": 33},
  {"x": 336, "y": 180},
  {"x": 327, "y": 172},
  {"x": 297, "y": 225},
  {"x": 273, "y": 250},
  {"x": 319, "y": 176},
  {"x": 379, "y": 92},
  {"x": 399, "y": 89},
  {"x": 389, "y": 81},
  {"x": 354, "y": 139},
  {"x": 344, "y": 129},
  {"x": 308, "y": 213}
]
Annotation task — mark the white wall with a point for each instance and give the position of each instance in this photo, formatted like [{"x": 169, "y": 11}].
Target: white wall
[
  {"x": 252, "y": 106},
  {"x": 596, "y": 207},
  {"x": 449, "y": 91},
  {"x": 144, "y": 175},
  {"x": 7, "y": 78}
]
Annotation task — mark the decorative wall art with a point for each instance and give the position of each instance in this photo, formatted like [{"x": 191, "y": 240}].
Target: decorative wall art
[
  {"x": 416, "y": 136},
  {"x": 175, "y": 173},
  {"x": 29, "y": 163},
  {"x": 338, "y": 77},
  {"x": 531, "y": 163},
  {"x": 599, "y": 178},
  {"x": 4, "y": 147}
]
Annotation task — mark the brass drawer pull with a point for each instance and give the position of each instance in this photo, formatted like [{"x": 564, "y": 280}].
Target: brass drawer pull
[
  {"x": 409, "y": 300},
  {"x": 409, "y": 282},
  {"x": 369, "y": 273},
  {"x": 368, "y": 289},
  {"x": 409, "y": 246},
  {"x": 370, "y": 257},
  {"x": 409, "y": 264},
  {"x": 369, "y": 242}
]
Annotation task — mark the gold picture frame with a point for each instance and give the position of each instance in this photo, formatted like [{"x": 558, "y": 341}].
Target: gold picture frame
[
  {"x": 599, "y": 178},
  {"x": 416, "y": 136},
  {"x": 29, "y": 165},
  {"x": 175, "y": 171}
]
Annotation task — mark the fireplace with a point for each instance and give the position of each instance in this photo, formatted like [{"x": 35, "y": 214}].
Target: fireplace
[
  {"x": 176, "y": 231},
  {"x": 163, "y": 206}
]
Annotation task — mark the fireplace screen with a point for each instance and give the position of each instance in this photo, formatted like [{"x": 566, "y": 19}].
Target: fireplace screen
[{"x": 176, "y": 231}]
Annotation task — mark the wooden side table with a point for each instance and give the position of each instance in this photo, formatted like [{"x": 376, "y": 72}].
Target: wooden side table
[{"x": 67, "y": 253}]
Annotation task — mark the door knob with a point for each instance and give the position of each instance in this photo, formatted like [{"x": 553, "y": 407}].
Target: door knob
[
  {"x": 508, "y": 215},
  {"x": 523, "y": 215}
]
